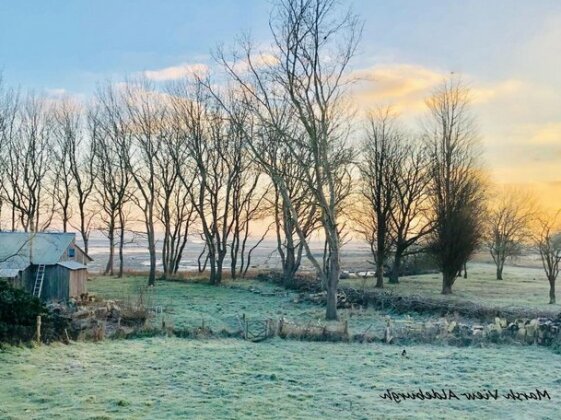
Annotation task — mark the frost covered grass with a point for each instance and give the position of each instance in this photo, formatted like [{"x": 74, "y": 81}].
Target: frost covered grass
[
  {"x": 171, "y": 377},
  {"x": 215, "y": 379},
  {"x": 522, "y": 287},
  {"x": 190, "y": 304}
]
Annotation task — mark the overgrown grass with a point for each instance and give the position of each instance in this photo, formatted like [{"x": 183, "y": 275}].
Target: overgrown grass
[
  {"x": 521, "y": 288},
  {"x": 216, "y": 379}
]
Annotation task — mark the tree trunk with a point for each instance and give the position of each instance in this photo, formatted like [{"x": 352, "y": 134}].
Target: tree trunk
[
  {"x": 219, "y": 269},
  {"x": 499, "y": 272},
  {"x": 331, "y": 310},
  {"x": 109, "y": 267},
  {"x": 121, "y": 260},
  {"x": 465, "y": 271},
  {"x": 394, "y": 274},
  {"x": 288, "y": 269},
  {"x": 212, "y": 261},
  {"x": 332, "y": 283},
  {"x": 551, "y": 291},
  {"x": 152, "y": 251},
  {"x": 380, "y": 277},
  {"x": 447, "y": 282}
]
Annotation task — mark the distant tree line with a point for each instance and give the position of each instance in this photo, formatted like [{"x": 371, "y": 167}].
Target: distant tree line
[{"x": 268, "y": 138}]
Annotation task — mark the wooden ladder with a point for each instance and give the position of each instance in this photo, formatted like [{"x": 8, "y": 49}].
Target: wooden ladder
[{"x": 38, "y": 287}]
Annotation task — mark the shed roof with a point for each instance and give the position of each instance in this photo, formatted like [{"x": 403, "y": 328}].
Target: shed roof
[
  {"x": 20, "y": 249},
  {"x": 72, "y": 265},
  {"x": 8, "y": 273}
]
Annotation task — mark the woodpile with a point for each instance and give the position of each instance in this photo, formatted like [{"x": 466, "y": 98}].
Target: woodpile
[
  {"x": 314, "y": 332},
  {"x": 346, "y": 298},
  {"x": 93, "y": 319}
]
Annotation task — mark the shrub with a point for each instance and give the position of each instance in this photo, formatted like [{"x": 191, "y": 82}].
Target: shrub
[{"x": 18, "y": 314}]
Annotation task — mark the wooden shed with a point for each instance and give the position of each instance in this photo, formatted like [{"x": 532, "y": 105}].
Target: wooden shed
[{"x": 48, "y": 265}]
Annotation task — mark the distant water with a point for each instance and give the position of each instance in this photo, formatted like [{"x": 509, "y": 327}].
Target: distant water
[{"x": 264, "y": 256}]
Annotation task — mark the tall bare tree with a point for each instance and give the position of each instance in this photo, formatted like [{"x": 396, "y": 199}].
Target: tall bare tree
[
  {"x": 379, "y": 165},
  {"x": 266, "y": 142},
  {"x": 146, "y": 114},
  {"x": 410, "y": 221},
  {"x": 81, "y": 152},
  {"x": 28, "y": 160},
  {"x": 508, "y": 225},
  {"x": 456, "y": 190},
  {"x": 548, "y": 242},
  {"x": 206, "y": 157},
  {"x": 9, "y": 105},
  {"x": 112, "y": 186},
  {"x": 313, "y": 44},
  {"x": 175, "y": 208},
  {"x": 66, "y": 129}
]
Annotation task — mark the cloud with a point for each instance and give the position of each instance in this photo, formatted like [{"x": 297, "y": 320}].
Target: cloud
[
  {"x": 176, "y": 72},
  {"x": 548, "y": 134},
  {"x": 406, "y": 86},
  {"x": 57, "y": 93},
  {"x": 487, "y": 93},
  {"x": 258, "y": 60}
]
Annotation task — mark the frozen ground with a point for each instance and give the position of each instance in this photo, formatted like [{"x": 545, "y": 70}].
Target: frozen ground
[
  {"x": 161, "y": 377},
  {"x": 190, "y": 304},
  {"x": 215, "y": 379}
]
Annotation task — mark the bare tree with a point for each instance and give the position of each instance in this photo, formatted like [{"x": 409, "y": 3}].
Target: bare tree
[
  {"x": 548, "y": 242},
  {"x": 9, "y": 104},
  {"x": 28, "y": 160},
  {"x": 456, "y": 188},
  {"x": 66, "y": 130},
  {"x": 267, "y": 144},
  {"x": 289, "y": 245},
  {"x": 248, "y": 198},
  {"x": 379, "y": 166},
  {"x": 313, "y": 46},
  {"x": 112, "y": 186},
  {"x": 206, "y": 156},
  {"x": 508, "y": 225},
  {"x": 176, "y": 210},
  {"x": 81, "y": 153},
  {"x": 410, "y": 220},
  {"x": 146, "y": 114}
]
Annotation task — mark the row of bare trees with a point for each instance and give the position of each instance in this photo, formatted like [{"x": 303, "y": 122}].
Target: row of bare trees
[
  {"x": 426, "y": 192},
  {"x": 168, "y": 161},
  {"x": 423, "y": 192},
  {"x": 269, "y": 139}
]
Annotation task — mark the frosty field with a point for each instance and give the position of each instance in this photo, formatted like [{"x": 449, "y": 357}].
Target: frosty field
[
  {"x": 176, "y": 378},
  {"x": 164, "y": 377},
  {"x": 191, "y": 304}
]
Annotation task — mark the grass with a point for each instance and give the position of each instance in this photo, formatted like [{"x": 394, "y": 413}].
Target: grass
[
  {"x": 521, "y": 288},
  {"x": 215, "y": 379},
  {"x": 189, "y": 304},
  {"x": 170, "y": 377}
]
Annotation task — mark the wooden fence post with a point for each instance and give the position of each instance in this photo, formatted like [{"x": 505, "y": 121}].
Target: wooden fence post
[{"x": 38, "y": 331}]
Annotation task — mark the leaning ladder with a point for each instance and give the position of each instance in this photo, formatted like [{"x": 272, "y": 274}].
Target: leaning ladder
[{"x": 38, "y": 287}]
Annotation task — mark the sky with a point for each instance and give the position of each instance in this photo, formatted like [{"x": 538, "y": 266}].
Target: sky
[{"x": 508, "y": 51}]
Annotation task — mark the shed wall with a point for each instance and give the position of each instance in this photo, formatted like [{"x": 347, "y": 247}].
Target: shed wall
[{"x": 77, "y": 282}]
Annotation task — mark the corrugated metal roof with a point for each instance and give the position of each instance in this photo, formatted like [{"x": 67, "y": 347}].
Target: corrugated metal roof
[
  {"x": 19, "y": 249},
  {"x": 72, "y": 265},
  {"x": 8, "y": 273}
]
